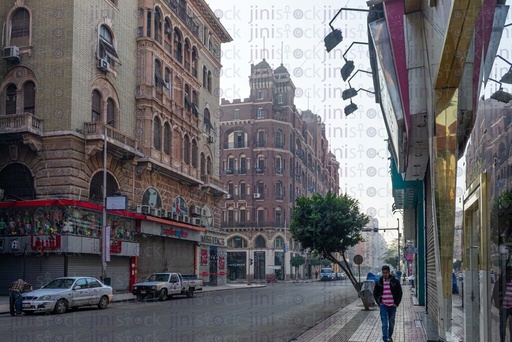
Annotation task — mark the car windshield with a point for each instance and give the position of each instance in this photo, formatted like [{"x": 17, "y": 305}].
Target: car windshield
[
  {"x": 326, "y": 270},
  {"x": 59, "y": 284},
  {"x": 159, "y": 277}
]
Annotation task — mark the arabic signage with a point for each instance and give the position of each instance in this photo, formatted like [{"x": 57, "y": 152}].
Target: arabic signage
[{"x": 204, "y": 257}]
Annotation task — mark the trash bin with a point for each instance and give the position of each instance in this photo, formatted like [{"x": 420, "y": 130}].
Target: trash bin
[
  {"x": 367, "y": 292},
  {"x": 107, "y": 281}
]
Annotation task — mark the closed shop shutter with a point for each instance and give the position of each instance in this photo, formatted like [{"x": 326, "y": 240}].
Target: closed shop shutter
[
  {"x": 181, "y": 256},
  {"x": 36, "y": 270},
  {"x": 118, "y": 269},
  {"x": 432, "y": 306}
]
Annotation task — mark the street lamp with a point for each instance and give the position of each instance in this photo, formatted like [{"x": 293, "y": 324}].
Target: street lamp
[
  {"x": 335, "y": 37},
  {"x": 351, "y": 108},
  {"x": 351, "y": 92},
  {"x": 500, "y": 95}
]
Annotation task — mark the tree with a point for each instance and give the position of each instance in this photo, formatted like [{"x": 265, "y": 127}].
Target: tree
[
  {"x": 297, "y": 261},
  {"x": 390, "y": 256},
  {"x": 326, "y": 262},
  {"x": 315, "y": 262},
  {"x": 329, "y": 225}
]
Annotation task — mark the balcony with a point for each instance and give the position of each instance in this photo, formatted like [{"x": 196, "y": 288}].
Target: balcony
[
  {"x": 236, "y": 145},
  {"x": 181, "y": 12},
  {"x": 260, "y": 143},
  {"x": 119, "y": 143},
  {"x": 252, "y": 224},
  {"x": 260, "y": 169},
  {"x": 21, "y": 123},
  {"x": 213, "y": 183}
]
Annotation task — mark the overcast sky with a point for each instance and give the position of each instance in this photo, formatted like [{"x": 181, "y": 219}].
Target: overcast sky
[{"x": 292, "y": 32}]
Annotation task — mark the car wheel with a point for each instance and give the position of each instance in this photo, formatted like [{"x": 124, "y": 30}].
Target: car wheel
[
  {"x": 61, "y": 306},
  {"x": 190, "y": 293},
  {"x": 103, "y": 303},
  {"x": 163, "y": 295}
]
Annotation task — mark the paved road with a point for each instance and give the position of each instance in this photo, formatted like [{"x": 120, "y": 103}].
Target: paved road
[{"x": 278, "y": 312}]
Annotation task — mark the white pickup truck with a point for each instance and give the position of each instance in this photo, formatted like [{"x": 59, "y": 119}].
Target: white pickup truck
[{"x": 167, "y": 284}]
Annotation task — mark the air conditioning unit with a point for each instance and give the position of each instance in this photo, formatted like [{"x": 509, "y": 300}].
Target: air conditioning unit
[
  {"x": 156, "y": 212},
  {"x": 257, "y": 195},
  {"x": 164, "y": 213},
  {"x": 228, "y": 196},
  {"x": 259, "y": 170},
  {"x": 12, "y": 53},
  {"x": 196, "y": 210},
  {"x": 211, "y": 139},
  {"x": 229, "y": 171},
  {"x": 103, "y": 65},
  {"x": 196, "y": 221},
  {"x": 142, "y": 209}
]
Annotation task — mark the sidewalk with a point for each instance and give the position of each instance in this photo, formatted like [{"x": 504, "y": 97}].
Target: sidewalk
[
  {"x": 353, "y": 324},
  {"x": 127, "y": 296}
]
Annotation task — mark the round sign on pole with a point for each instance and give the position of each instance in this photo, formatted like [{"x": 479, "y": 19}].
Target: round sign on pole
[{"x": 358, "y": 259}]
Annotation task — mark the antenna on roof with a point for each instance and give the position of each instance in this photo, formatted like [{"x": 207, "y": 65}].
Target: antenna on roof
[
  {"x": 263, "y": 52},
  {"x": 282, "y": 52}
]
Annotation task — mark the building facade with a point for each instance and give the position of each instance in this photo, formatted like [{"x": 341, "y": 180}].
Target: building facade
[
  {"x": 106, "y": 103},
  {"x": 271, "y": 154}
]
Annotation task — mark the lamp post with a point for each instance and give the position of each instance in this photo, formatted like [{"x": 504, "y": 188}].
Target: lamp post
[{"x": 104, "y": 228}]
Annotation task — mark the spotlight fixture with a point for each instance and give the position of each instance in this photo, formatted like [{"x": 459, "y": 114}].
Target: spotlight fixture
[
  {"x": 368, "y": 72},
  {"x": 351, "y": 92},
  {"x": 507, "y": 78},
  {"x": 351, "y": 108},
  {"x": 349, "y": 66},
  {"x": 335, "y": 37},
  {"x": 501, "y": 95}
]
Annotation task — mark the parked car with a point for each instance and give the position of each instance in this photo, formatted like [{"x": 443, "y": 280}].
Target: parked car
[
  {"x": 62, "y": 294},
  {"x": 327, "y": 274},
  {"x": 166, "y": 285}
]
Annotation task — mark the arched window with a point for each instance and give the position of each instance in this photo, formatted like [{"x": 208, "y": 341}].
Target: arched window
[
  {"x": 207, "y": 119},
  {"x": 17, "y": 180},
  {"x": 158, "y": 25},
  {"x": 29, "y": 97},
  {"x": 167, "y": 138},
  {"x": 111, "y": 113},
  {"x": 157, "y": 133},
  {"x": 194, "y": 153},
  {"x": 178, "y": 53},
  {"x": 209, "y": 82},
  {"x": 237, "y": 242},
  {"x": 279, "y": 139},
  {"x": 230, "y": 165},
  {"x": 205, "y": 76},
  {"x": 186, "y": 149},
  {"x": 230, "y": 188},
  {"x": 260, "y": 189},
  {"x": 279, "y": 190},
  {"x": 195, "y": 60},
  {"x": 202, "y": 165},
  {"x": 279, "y": 165},
  {"x": 243, "y": 214},
  {"x": 260, "y": 217},
  {"x": 187, "y": 54},
  {"x": 261, "y": 113},
  {"x": 96, "y": 187},
  {"x": 278, "y": 242},
  {"x": 159, "y": 81},
  {"x": 148, "y": 25},
  {"x": 260, "y": 242},
  {"x": 260, "y": 138},
  {"x": 209, "y": 168},
  {"x": 96, "y": 106},
  {"x": 242, "y": 189},
  {"x": 107, "y": 50},
  {"x": 279, "y": 217},
  {"x": 20, "y": 28},
  {"x": 243, "y": 164}
]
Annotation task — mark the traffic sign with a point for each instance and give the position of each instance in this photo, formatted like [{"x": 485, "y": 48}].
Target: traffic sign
[{"x": 358, "y": 259}]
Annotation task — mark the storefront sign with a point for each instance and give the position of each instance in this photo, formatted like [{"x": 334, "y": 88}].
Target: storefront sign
[
  {"x": 213, "y": 240},
  {"x": 204, "y": 257},
  {"x": 172, "y": 232},
  {"x": 45, "y": 243},
  {"x": 221, "y": 262},
  {"x": 116, "y": 246}
]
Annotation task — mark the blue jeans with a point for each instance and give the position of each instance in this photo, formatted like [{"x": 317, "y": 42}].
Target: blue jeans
[
  {"x": 15, "y": 302},
  {"x": 504, "y": 313},
  {"x": 387, "y": 316}
]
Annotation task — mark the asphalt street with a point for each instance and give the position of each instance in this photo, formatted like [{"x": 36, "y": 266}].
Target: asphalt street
[{"x": 278, "y": 312}]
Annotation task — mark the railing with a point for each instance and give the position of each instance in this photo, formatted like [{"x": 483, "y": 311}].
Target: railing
[
  {"x": 249, "y": 224},
  {"x": 20, "y": 123},
  {"x": 260, "y": 143},
  {"x": 95, "y": 130},
  {"x": 259, "y": 169},
  {"x": 181, "y": 12},
  {"x": 236, "y": 145},
  {"x": 209, "y": 179}
]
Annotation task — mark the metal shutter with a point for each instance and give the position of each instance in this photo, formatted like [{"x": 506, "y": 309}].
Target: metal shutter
[
  {"x": 118, "y": 269},
  {"x": 432, "y": 306},
  {"x": 180, "y": 255}
]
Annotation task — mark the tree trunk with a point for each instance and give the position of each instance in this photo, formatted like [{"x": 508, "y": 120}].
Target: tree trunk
[{"x": 350, "y": 276}]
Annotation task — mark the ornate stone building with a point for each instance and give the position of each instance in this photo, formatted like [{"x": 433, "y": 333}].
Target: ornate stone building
[
  {"x": 271, "y": 153},
  {"x": 121, "y": 78}
]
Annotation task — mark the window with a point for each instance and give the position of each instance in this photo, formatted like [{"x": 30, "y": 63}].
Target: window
[
  {"x": 279, "y": 139},
  {"x": 20, "y": 28},
  {"x": 280, "y": 98},
  {"x": 243, "y": 216},
  {"x": 278, "y": 242},
  {"x": 237, "y": 242},
  {"x": 260, "y": 163},
  {"x": 261, "y": 216},
  {"x": 236, "y": 114},
  {"x": 242, "y": 190},
  {"x": 260, "y": 138},
  {"x": 186, "y": 150},
  {"x": 29, "y": 97},
  {"x": 260, "y": 188},
  {"x": 106, "y": 48},
  {"x": 111, "y": 116},
  {"x": 194, "y": 153},
  {"x": 207, "y": 119},
  {"x": 230, "y": 188},
  {"x": 260, "y": 242},
  {"x": 230, "y": 164},
  {"x": 205, "y": 76},
  {"x": 158, "y": 25},
  {"x": 260, "y": 95},
  {"x": 209, "y": 83},
  {"x": 261, "y": 113},
  {"x": 167, "y": 138},
  {"x": 208, "y": 165},
  {"x": 279, "y": 191},
  {"x": 279, "y": 165},
  {"x": 93, "y": 283},
  {"x": 159, "y": 81},
  {"x": 279, "y": 217},
  {"x": 243, "y": 164},
  {"x": 157, "y": 134},
  {"x": 96, "y": 106},
  {"x": 148, "y": 25},
  {"x": 231, "y": 216}
]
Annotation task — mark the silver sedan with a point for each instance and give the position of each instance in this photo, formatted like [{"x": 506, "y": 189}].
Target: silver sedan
[{"x": 61, "y": 294}]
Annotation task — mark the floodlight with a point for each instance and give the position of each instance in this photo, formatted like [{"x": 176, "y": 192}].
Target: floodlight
[
  {"x": 349, "y": 66},
  {"x": 349, "y": 93},
  {"x": 351, "y": 108},
  {"x": 507, "y": 78},
  {"x": 333, "y": 39},
  {"x": 500, "y": 95}
]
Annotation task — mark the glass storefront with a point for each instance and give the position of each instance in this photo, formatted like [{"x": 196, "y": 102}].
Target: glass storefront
[{"x": 237, "y": 268}]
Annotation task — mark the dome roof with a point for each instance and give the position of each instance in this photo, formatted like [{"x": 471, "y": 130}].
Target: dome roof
[{"x": 281, "y": 70}]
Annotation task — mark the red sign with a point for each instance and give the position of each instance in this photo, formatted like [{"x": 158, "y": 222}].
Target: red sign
[
  {"x": 45, "y": 243},
  {"x": 204, "y": 257},
  {"x": 116, "y": 246},
  {"x": 221, "y": 263},
  {"x": 180, "y": 233}
]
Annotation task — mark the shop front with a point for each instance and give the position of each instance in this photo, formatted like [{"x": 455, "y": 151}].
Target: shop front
[
  {"x": 212, "y": 262},
  {"x": 44, "y": 239},
  {"x": 168, "y": 246},
  {"x": 237, "y": 265}
]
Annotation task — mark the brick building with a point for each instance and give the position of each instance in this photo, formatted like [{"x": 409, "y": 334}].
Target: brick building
[
  {"x": 271, "y": 153},
  {"x": 81, "y": 78}
]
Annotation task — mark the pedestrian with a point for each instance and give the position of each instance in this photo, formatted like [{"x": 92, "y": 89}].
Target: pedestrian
[
  {"x": 388, "y": 295},
  {"x": 502, "y": 297},
  {"x": 316, "y": 274},
  {"x": 15, "y": 299}
]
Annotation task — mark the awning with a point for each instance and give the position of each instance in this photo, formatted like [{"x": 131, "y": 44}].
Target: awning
[{"x": 110, "y": 51}]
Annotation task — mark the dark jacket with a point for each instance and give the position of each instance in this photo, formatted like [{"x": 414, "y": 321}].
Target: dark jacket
[
  {"x": 498, "y": 293},
  {"x": 396, "y": 290}
]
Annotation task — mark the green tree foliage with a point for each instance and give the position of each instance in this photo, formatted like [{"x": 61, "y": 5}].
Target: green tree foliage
[
  {"x": 326, "y": 263},
  {"x": 315, "y": 262},
  {"x": 329, "y": 225},
  {"x": 390, "y": 256},
  {"x": 297, "y": 261}
]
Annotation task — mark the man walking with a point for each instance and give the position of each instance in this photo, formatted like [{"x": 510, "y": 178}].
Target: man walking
[
  {"x": 15, "y": 299},
  {"x": 388, "y": 295}
]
